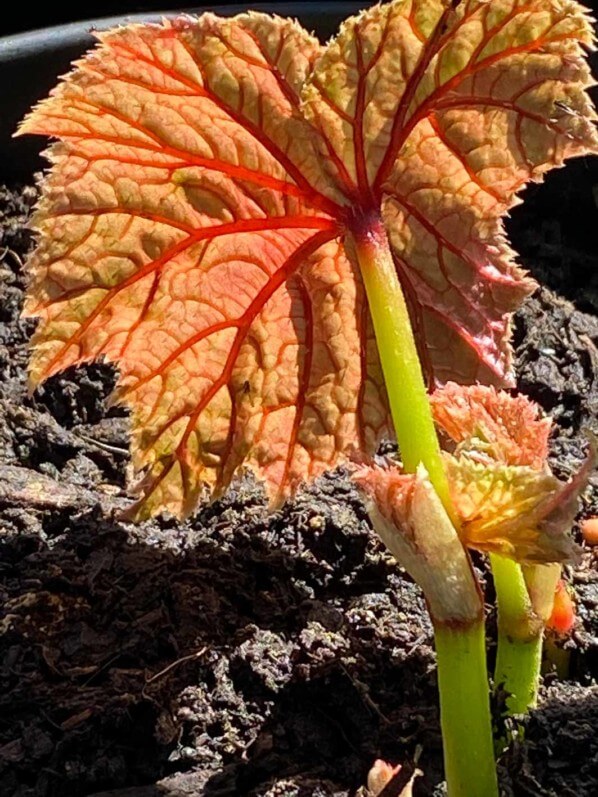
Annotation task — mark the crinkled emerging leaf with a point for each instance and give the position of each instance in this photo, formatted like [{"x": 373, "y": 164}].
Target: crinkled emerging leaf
[
  {"x": 506, "y": 498},
  {"x": 483, "y": 420},
  {"x": 409, "y": 518},
  {"x": 208, "y": 171},
  {"x": 502, "y": 507}
]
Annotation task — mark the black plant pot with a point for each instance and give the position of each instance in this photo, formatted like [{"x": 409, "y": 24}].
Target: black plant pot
[{"x": 31, "y": 62}]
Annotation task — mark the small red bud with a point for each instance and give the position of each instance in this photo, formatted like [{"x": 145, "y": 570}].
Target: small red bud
[
  {"x": 562, "y": 618},
  {"x": 589, "y": 530}
]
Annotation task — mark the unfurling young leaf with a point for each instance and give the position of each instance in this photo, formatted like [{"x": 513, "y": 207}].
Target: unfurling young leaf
[
  {"x": 493, "y": 425},
  {"x": 505, "y": 495},
  {"x": 210, "y": 172},
  {"x": 381, "y": 776},
  {"x": 410, "y": 520}
]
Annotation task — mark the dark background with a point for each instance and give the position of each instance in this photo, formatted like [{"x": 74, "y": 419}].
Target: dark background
[{"x": 23, "y": 17}]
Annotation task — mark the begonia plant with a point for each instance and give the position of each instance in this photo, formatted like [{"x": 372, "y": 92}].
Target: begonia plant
[{"x": 284, "y": 246}]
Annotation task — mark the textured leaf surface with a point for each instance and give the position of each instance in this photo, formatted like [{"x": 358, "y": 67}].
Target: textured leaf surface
[
  {"x": 502, "y": 509},
  {"x": 207, "y": 173},
  {"x": 441, "y": 112},
  {"x": 507, "y": 499},
  {"x": 182, "y": 237},
  {"x": 509, "y": 429}
]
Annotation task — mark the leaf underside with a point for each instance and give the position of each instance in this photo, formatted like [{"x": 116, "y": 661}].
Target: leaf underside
[{"x": 206, "y": 174}]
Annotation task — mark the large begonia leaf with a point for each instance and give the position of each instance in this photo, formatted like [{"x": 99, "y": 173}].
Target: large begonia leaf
[
  {"x": 207, "y": 172},
  {"x": 182, "y": 236}
]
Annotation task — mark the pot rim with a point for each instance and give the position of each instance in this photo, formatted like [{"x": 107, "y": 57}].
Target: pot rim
[{"x": 52, "y": 37}]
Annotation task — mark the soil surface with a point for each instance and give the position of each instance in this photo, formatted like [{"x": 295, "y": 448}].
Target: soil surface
[{"x": 247, "y": 654}]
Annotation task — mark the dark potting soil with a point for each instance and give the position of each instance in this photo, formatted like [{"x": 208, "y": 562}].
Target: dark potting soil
[{"x": 246, "y": 654}]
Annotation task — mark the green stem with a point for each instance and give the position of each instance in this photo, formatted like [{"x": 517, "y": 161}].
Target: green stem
[
  {"x": 462, "y": 672},
  {"x": 520, "y": 634},
  {"x": 405, "y": 385},
  {"x": 465, "y": 712}
]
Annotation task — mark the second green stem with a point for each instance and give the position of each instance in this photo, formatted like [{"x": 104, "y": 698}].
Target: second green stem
[{"x": 520, "y": 635}]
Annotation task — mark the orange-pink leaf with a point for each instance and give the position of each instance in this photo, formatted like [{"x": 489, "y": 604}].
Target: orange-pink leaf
[
  {"x": 504, "y": 509},
  {"x": 188, "y": 234},
  {"x": 207, "y": 172},
  {"x": 380, "y": 775},
  {"x": 505, "y": 495},
  {"x": 380, "y": 779},
  {"x": 509, "y": 429},
  {"x": 439, "y": 113}
]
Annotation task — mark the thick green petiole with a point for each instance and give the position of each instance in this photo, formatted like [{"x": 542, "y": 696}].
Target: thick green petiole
[
  {"x": 462, "y": 672},
  {"x": 464, "y": 712},
  {"x": 407, "y": 394}
]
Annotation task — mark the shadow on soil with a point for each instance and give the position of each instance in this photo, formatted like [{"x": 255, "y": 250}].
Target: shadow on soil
[{"x": 220, "y": 652}]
